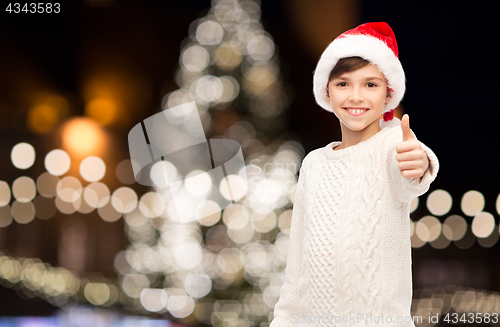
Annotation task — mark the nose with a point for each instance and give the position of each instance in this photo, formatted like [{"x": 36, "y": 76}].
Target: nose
[{"x": 356, "y": 95}]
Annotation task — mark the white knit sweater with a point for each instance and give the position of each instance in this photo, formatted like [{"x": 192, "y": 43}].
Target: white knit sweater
[{"x": 349, "y": 254}]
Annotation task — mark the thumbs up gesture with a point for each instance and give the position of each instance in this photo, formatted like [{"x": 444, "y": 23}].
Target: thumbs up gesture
[{"x": 413, "y": 161}]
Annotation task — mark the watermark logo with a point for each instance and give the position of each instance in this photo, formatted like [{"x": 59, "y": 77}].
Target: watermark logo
[
  {"x": 356, "y": 318},
  {"x": 169, "y": 149}
]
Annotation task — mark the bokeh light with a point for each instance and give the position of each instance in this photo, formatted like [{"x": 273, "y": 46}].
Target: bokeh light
[
  {"x": 483, "y": 224},
  {"x": 57, "y": 162},
  {"x": 133, "y": 284},
  {"x": 46, "y": 184},
  {"x": 96, "y": 194},
  {"x": 197, "y": 285},
  {"x": 22, "y": 155},
  {"x": 209, "y": 33},
  {"x": 5, "y": 193},
  {"x": 97, "y": 293},
  {"x": 103, "y": 110},
  {"x": 151, "y": 205},
  {"x": 82, "y": 137},
  {"x": 195, "y": 58},
  {"x": 109, "y": 213},
  {"x": 67, "y": 208},
  {"x": 472, "y": 203},
  {"x": 414, "y": 204},
  {"x": 153, "y": 300},
  {"x": 24, "y": 189},
  {"x": 69, "y": 189},
  {"x": 228, "y": 56},
  {"x": 454, "y": 227},
  {"x": 124, "y": 172},
  {"x": 23, "y": 212},
  {"x": 208, "y": 88},
  {"x": 180, "y": 306},
  {"x": 208, "y": 213},
  {"x": 124, "y": 199},
  {"x": 92, "y": 169},
  {"x": 439, "y": 202},
  {"x": 260, "y": 47},
  {"x": 44, "y": 116},
  {"x": 428, "y": 228},
  {"x": 5, "y": 216}
]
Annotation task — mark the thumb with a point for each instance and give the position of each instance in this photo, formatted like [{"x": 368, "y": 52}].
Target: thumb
[{"x": 405, "y": 126}]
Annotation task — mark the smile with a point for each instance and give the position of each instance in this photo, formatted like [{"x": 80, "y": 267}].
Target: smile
[{"x": 356, "y": 111}]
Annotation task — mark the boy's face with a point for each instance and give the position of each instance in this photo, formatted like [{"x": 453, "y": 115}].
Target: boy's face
[{"x": 358, "y": 98}]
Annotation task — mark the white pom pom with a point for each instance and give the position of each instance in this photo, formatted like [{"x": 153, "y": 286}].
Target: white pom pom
[{"x": 391, "y": 123}]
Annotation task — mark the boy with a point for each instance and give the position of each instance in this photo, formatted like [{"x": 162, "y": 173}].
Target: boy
[{"x": 349, "y": 257}]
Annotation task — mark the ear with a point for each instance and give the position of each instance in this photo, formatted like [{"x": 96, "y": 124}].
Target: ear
[
  {"x": 388, "y": 96},
  {"x": 327, "y": 96}
]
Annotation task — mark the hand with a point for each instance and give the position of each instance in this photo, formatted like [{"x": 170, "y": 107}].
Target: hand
[{"x": 413, "y": 161}]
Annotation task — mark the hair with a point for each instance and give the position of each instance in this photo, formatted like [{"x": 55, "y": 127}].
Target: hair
[{"x": 346, "y": 65}]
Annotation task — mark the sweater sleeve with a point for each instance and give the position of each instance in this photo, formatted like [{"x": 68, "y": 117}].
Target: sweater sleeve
[
  {"x": 286, "y": 310},
  {"x": 410, "y": 188}
]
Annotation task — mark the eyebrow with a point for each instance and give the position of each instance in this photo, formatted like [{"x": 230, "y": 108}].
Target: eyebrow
[{"x": 366, "y": 79}]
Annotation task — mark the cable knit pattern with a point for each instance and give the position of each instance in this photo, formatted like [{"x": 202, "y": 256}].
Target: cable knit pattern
[
  {"x": 324, "y": 291},
  {"x": 369, "y": 215},
  {"x": 304, "y": 282},
  {"x": 349, "y": 255},
  {"x": 345, "y": 245}
]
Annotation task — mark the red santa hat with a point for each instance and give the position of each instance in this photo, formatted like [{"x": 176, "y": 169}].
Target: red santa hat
[{"x": 374, "y": 42}]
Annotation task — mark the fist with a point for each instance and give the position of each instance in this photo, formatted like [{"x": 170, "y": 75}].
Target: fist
[{"x": 413, "y": 161}]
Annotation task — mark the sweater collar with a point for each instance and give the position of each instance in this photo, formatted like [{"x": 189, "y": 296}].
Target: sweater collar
[{"x": 361, "y": 146}]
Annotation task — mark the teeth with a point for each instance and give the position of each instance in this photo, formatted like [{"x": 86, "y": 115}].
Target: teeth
[{"x": 356, "y": 111}]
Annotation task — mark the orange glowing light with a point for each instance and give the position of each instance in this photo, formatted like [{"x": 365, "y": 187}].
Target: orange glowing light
[
  {"x": 43, "y": 118},
  {"x": 46, "y": 113},
  {"x": 102, "y": 110},
  {"x": 82, "y": 137}
]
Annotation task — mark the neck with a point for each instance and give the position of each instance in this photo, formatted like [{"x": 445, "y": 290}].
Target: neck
[{"x": 350, "y": 137}]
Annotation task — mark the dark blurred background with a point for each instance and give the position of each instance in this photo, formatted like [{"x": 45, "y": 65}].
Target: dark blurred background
[{"x": 130, "y": 50}]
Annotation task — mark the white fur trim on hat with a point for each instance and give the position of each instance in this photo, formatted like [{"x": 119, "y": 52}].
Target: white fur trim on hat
[
  {"x": 395, "y": 121},
  {"x": 369, "y": 48}
]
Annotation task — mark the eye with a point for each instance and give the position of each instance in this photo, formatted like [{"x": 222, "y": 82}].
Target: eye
[
  {"x": 342, "y": 84},
  {"x": 371, "y": 85}
]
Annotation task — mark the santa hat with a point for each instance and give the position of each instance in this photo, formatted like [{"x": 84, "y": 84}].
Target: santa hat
[{"x": 374, "y": 42}]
